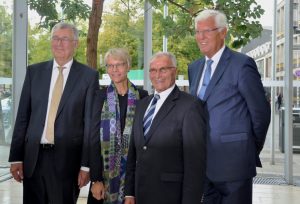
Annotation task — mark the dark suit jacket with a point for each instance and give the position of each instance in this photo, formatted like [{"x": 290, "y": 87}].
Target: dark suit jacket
[
  {"x": 239, "y": 116},
  {"x": 72, "y": 124},
  {"x": 169, "y": 166}
]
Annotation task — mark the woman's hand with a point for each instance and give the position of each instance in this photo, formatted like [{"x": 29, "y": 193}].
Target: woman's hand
[{"x": 98, "y": 190}]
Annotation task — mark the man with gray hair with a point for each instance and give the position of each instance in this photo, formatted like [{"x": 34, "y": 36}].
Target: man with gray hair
[
  {"x": 229, "y": 85},
  {"x": 51, "y": 150},
  {"x": 166, "y": 158}
]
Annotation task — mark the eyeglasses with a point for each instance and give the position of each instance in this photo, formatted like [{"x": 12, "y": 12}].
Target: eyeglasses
[
  {"x": 62, "y": 40},
  {"x": 162, "y": 70},
  {"x": 206, "y": 32},
  {"x": 117, "y": 66}
]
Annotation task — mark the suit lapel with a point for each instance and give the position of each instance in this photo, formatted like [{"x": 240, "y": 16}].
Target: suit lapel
[
  {"x": 222, "y": 65},
  {"x": 198, "y": 71},
  {"x": 163, "y": 112},
  {"x": 141, "y": 116},
  {"x": 70, "y": 84},
  {"x": 45, "y": 77}
]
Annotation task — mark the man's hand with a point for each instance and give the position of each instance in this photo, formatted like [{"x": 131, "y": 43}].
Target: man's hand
[
  {"x": 98, "y": 190},
  {"x": 83, "y": 178},
  {"x": 16, "y": 170},
  {"x": 129, "y": 200}
]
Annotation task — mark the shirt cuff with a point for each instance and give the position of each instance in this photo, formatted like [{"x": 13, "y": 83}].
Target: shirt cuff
[
  {"x": 83, "y": 168},
  {"x": 16, "y": 162}
]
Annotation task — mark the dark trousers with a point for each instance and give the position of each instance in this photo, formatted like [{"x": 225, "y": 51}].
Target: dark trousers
[
  {"x": 237, "y": 192},
  {"x": 44, "y": 187}
]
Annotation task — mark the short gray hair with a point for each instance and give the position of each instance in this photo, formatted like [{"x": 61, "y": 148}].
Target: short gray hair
[
  {"x": 64, "y": 25},
  {"x": 219, "y": 16},
  {"x": 165, "y": 54},
  {"x": 119, "y": 54}
]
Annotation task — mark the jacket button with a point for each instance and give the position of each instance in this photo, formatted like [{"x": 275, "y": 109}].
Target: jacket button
[{"x": 144, "y": 147}]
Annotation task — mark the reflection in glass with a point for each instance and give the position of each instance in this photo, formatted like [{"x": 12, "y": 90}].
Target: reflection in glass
[{"x": 5, "y": 71}]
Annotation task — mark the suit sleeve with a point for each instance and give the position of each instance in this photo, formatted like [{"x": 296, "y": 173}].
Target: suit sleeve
[
  {"x": 251, "y": 88},
  {"x": 143, "y": 93},
  {"x": 88, "y": 143},
  {"x": 22, "y": 121},
  {"x": 130, "y": 167},
  {"x": 194, "y": 150},
  {"x": 96, "y": 162}
]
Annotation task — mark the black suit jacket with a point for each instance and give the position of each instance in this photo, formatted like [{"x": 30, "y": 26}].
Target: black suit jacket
[
  {"x": 169, "y": 166},
  {"x": 72, "y": 124}
]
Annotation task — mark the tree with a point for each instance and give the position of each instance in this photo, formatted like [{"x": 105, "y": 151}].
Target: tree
[
  {"x": 95, "y": 21},
  {"x": 123, "y": 28},
  {"x": 5, "y": 42},
  {"x": 242, "y": 16},
  {"x": 39, "y": 48},
  {"x": 183, "y": 46},
  {"x": 38, "y": 44},
  {"x": 72, "y": 10}
]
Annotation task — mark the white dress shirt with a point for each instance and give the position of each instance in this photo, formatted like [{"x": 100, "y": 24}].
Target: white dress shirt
[
  {"x": 54, "y": 76},
  {"x": 162, "y": 97},
  {"x": 216, "y": 59}
]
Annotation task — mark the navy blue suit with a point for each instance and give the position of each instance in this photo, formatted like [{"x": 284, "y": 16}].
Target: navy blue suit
[{"x": 238, "y": 116}]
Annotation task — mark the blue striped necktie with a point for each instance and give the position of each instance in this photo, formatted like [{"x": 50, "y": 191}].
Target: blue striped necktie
[
  {"x": 206, "y": 79},
  {"x": 149, "y": 114}
]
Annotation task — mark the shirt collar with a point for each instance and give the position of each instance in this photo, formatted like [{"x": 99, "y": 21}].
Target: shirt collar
[
  {"x": 217, "y": 56},
  {"x": 66, "y": 66},
  {"x": 164, "y": 94}
]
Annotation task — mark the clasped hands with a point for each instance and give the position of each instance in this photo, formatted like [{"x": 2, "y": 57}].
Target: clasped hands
[{"x": 98, "y": 190}]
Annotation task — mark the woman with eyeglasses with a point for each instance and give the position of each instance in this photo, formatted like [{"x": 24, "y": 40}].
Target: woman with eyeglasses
[{"x": 116, "y": 108}]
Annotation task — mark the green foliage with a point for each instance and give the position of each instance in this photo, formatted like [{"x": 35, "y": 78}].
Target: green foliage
[
  {"x": 242, "y": 16},
  {"x": 46, "y": 10},
  {"x": 38, "y": 45},
  {"x": 243, "y": 20},
  {"x": 123, "y": 26},
  {"x": 182, "y": 45},
  {"x": 80, "y": 54},
  {"x": 5, "y": 43},
  {"x": 75, "y": 9},
  {"x": 72, "y": 10}
]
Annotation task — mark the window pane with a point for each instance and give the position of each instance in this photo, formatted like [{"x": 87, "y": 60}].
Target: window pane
[{"x": 6, "y": 34}]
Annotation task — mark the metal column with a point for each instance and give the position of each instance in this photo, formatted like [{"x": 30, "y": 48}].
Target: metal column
[
  {"x": 165, "y": 38},
  {"x": 273, "y": 108},
  {"x": 19, "y": 50},
  {"x": 288, "y": 91},
  {"x": 147, "y": 44}
]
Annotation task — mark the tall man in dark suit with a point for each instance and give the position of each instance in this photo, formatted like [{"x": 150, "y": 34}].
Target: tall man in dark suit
[
  {"x": 51, "y": 148},
  {"x": 229, "y": 85},
  {"x": 166, "y": 159}
]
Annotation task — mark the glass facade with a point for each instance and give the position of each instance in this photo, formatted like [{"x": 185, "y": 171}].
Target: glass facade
[
  {"x": 6, "y": 114},
  {"x": 130, "y": 33}
]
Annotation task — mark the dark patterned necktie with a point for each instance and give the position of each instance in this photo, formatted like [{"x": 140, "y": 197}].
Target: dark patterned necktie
[{"x": 149, "y": 114}]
